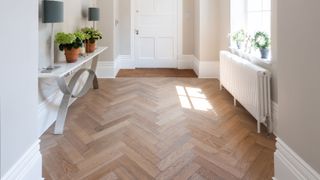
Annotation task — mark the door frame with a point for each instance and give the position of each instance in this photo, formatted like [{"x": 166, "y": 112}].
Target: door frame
[{"x": 179, "y": 38}]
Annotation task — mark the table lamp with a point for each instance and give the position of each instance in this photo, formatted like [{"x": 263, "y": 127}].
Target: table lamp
[
  {"x": 94, "y": 15},
  {"x": 52, "y": 13}
]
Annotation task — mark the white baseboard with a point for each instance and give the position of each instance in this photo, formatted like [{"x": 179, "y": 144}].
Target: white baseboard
[
  {"x": 125, "y": 62},
  {"x": 206, "y": 69},
  {"x": 196, "y": 66},
  {"x": 186, "y": 62},
  {"x": 106, "y": 69},
  {"x": 209, "y": 69},
  {"x": 275, "y": 117},
  {"x": 288, "y": 165},
  {"x": 28, "y": 167},
  {"x": 110, "y": 69}
]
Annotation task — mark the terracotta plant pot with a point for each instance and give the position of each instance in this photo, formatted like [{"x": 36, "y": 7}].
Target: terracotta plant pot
[
  {"x": 90, "y": 47},
  {"x": 72, "y": 55}
]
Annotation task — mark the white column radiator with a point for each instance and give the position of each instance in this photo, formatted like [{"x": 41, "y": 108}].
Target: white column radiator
[{"x": 249, "y": 84}]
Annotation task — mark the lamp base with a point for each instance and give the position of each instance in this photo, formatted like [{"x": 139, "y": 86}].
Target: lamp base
[{"x": 50, "y": 69}]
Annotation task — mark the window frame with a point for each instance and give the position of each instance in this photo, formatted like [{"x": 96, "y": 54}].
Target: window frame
[
  {"x": 246, "y": 14},
  {"x": 254, "y": 55}
]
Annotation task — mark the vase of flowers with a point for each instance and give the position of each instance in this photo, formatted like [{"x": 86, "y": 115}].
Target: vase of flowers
[
  {"x": 262, "y": 42},
  {"x": 239, "y": 37}
]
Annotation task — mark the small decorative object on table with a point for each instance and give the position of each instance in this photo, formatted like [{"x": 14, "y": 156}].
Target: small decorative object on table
[
  {"x": 92, "y": 36},
  {"x": 262, "y": 42},
  {"x": 71, "y": 44}
]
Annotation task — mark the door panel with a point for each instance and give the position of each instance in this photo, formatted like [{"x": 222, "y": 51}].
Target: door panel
[
  {"x": 165, "y": 6},
  {"x": 147, "y": 48},
  {"x": 146, "y": 6},
  {"x": 156, "y": 33},
  {"x": 165, "y": 46}
]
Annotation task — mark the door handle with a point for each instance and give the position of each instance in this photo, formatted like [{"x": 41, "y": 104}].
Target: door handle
[{"x": 137, "y": 31}]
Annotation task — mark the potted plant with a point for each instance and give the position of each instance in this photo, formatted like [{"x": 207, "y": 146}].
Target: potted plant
[
  {"x": 70, "y": 44},
  {"x": 239, "y": 37},
  {"x": 92, "y": 36},
  {"x": 82, "y": 37},
  {"x": 262, "y": 42}
]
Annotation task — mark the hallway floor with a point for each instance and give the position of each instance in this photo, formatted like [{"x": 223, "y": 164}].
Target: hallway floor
[{"x": 158, "y": 128}]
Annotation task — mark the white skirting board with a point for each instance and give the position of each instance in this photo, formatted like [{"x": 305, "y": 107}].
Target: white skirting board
[
  {"x": 209, "y": 69},
  {"x": 125, "y": 62},
  {"x": 275, "y": 117},
  {"x": 204, "y": 69},
  {"x": 107, "y": 69},
  {"x": 186, "y": 62},
  {"x": 110, "y": 69},
  {"x": 28, "y": 167},
  {"x": 289, "y": 166}
]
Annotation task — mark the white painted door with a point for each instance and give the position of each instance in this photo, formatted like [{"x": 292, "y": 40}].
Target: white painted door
[{"x": 156, "y": 29}]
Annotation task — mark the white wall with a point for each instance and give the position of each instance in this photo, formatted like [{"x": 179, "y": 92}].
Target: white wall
[
  {"x": 116, "y": 36},
  {"x": 224, "y": 23},
  {"x": 196, "y": 27},
  {"x": 106, "y": 26},
  {"x": 299, "y": 70},
  {"x": 124, "y": 27},
  {"x": 205, "y": 29},
  {"x": 116, "y": 29},
  {"x": 18, "y": 77},
  {"x": 188, "y": 27},
  {"x": 211, "y": 28}
]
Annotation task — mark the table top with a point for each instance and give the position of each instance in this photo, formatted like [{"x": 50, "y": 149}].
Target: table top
[{"x": 66, "y": 68}]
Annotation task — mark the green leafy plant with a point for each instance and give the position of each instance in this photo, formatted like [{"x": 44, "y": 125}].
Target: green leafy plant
[
  {"x": 239, "y": 37},
  {"x": 81, "y": 36},
  {"x": 68, "y": 40},
  {"x": 92, "y": 34},
  {"x": 261, "y": 40}
]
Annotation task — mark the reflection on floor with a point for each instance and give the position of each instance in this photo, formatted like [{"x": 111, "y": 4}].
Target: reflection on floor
[{"x": 158, "y": 128}]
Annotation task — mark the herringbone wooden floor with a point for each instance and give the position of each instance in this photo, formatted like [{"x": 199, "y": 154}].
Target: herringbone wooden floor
[{"x": 158, "y": 128}]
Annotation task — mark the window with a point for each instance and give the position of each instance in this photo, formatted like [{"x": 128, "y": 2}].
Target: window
[
  {"x": 251, "y": 16},
  {"x": 258, "y": 16}
]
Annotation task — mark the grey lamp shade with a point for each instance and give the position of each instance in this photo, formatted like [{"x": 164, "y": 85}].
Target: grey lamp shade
[
  {"x": 94, "y": 14},
  {"x": 52, "y": 11}
]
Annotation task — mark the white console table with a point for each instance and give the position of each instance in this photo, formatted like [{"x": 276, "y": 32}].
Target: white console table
[{"x": 66, "y": 69}]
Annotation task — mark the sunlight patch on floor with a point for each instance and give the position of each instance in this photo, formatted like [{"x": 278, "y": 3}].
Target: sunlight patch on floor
[{"x": 193, "y": 98}]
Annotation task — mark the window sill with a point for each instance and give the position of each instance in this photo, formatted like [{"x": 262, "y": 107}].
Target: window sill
[{"x": 251, "y": 57}]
